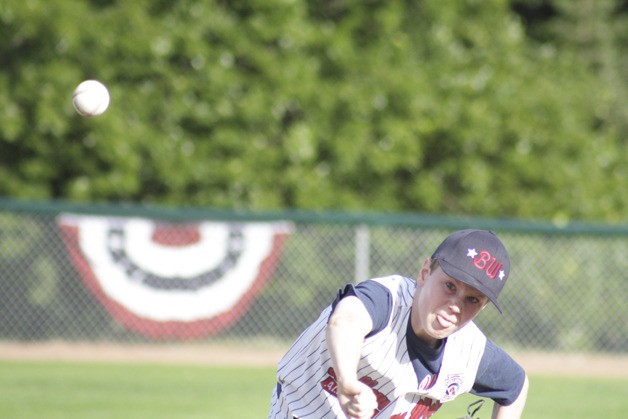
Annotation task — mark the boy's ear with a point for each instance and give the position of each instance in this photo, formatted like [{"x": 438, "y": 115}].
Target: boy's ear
[{"x": 424, "y": 272}]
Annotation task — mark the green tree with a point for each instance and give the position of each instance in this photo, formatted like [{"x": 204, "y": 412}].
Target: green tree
[{"x": 443, "y": 107}]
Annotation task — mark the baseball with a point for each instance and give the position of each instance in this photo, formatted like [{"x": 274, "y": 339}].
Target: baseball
[{"x": 90, "y": 98}]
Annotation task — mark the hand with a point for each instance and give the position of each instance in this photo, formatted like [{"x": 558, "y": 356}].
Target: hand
[{"x": 357, "y": 400}]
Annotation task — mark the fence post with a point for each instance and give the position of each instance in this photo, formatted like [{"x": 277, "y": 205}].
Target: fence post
[{"x": 362, "y": 250}]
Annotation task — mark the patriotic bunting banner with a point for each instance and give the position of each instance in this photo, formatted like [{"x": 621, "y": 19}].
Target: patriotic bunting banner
[{"x": 173, "y": 280}]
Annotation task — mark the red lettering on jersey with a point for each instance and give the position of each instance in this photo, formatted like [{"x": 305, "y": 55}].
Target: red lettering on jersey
[
  {"x": 368, "y": 381},
  {"x": 425, "y": 408},
  {"x": 428, "y": 382},
  {"x": 382, "y": 400},
  {"x": 330, "y": 385}
]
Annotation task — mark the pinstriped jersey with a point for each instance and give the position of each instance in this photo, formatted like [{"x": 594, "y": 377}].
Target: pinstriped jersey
[{"x": 308, "y": 382}]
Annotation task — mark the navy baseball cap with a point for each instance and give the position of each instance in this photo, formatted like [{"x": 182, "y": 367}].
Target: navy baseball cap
[{"x": 478, "y": 258}]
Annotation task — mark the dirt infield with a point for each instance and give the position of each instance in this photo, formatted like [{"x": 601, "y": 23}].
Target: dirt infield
[
  {"x": 589, "y": 365},
  {"x": 161, "y": 354}
]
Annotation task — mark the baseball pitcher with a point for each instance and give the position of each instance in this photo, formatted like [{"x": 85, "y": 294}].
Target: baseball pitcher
[{"x": 398, "y": 348}]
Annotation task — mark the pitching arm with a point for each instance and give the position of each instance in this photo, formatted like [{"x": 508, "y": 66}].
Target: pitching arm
[{"x": 348, "y": 325}]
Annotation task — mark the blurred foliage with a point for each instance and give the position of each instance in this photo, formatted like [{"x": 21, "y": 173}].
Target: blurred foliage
[{"x": 501, "y": 108}]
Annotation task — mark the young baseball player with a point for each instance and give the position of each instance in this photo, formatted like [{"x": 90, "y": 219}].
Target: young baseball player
[{"x": 397, "y": 348}]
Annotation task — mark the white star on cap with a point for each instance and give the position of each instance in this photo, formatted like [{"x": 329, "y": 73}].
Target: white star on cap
[
  {"x": 471, "y": 253},
  {"x": 502, "y": 274}
]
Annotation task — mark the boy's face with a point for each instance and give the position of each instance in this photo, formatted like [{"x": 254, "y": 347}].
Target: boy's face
[{"x": 443, "y": 305}]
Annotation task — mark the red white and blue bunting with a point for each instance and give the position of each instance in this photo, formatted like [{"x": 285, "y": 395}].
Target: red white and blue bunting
[{"x": 173, "y": 280}]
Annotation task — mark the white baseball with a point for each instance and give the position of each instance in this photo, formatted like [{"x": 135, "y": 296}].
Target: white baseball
[{"x": 90, "y": 98}]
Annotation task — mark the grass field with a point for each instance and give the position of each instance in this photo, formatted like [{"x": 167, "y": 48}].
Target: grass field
[{"x": 45, "y": 390}]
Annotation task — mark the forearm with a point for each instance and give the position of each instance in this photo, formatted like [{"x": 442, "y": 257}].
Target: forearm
[
  {"x": 346, "y": 329},
  {"x": 344, "y": 344},
  {"x": 515, "y": 410},
  {"x": 345, "y": 334}
]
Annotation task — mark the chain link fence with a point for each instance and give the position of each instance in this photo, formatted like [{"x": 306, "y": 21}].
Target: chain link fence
[{"x": 136, "y": 275}]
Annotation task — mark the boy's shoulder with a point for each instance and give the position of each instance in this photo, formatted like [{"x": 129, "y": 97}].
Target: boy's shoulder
[{"x": 400, "y": 287}]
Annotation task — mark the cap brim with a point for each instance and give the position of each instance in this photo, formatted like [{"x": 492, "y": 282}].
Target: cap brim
[{"x": 462, "y": 276}]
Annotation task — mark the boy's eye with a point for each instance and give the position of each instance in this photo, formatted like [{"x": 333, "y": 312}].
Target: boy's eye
[
  {"x": 473, "y": 300},
  {"x": 450, "y": 285}
]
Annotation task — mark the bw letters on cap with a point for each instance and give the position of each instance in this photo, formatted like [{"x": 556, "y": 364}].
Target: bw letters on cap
[{"x": 478, "y": 258}]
